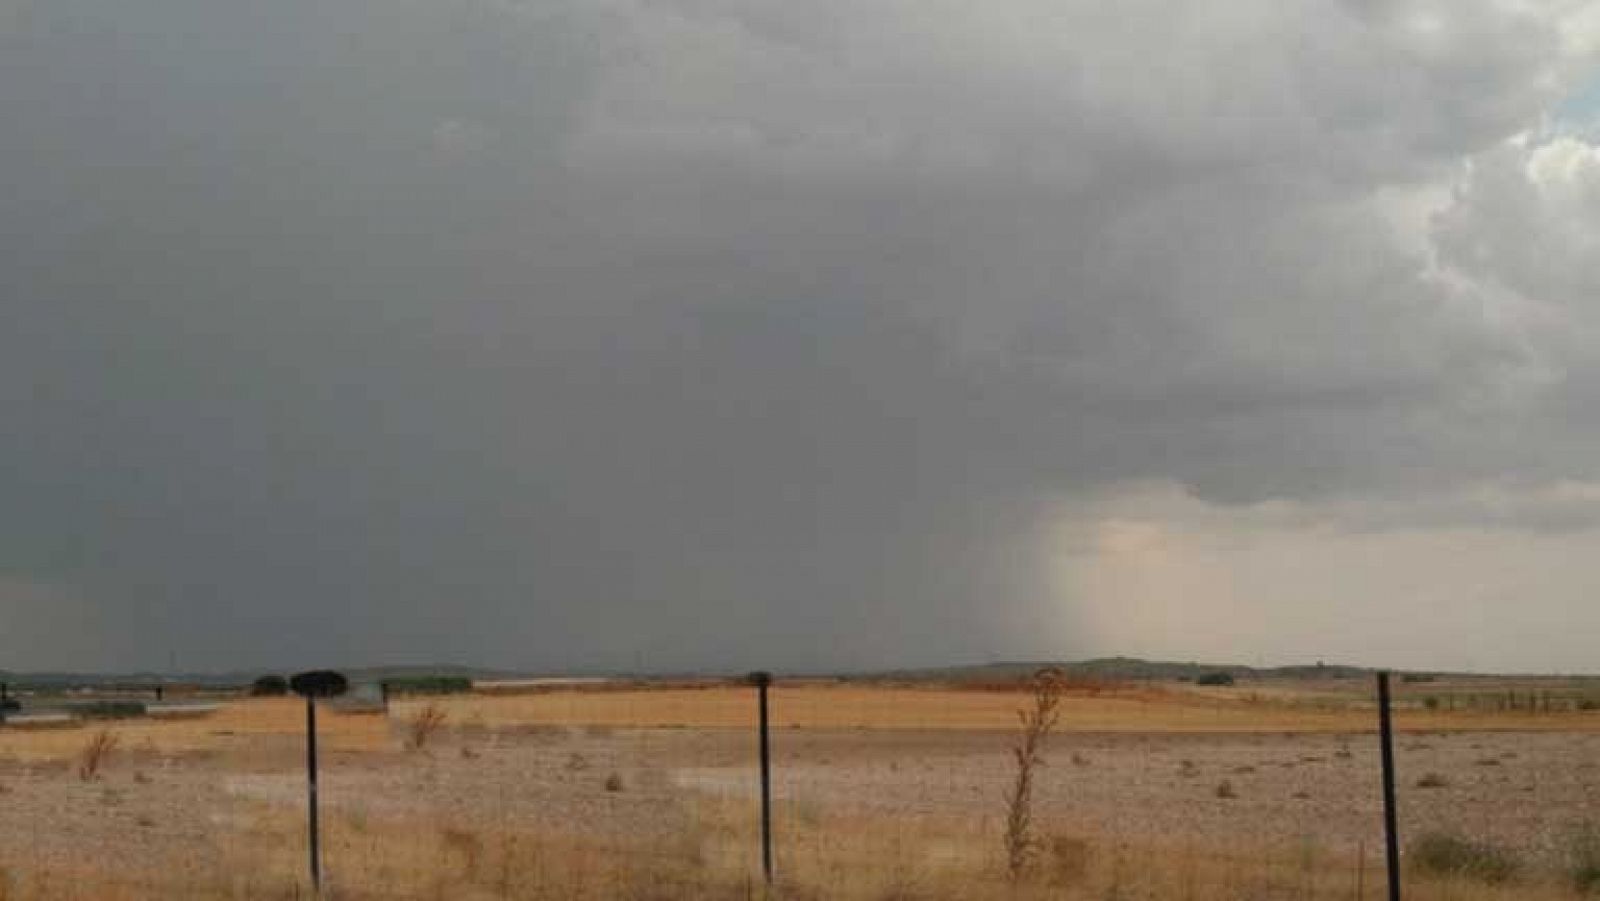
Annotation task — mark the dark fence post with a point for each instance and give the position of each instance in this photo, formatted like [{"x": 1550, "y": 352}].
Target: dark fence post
[
  {"x": 761, "y": 680},
  {"x": 313, "y": 841},
  {"x": 312, "y": 685},
  {"x": 1391, "y": 832}
]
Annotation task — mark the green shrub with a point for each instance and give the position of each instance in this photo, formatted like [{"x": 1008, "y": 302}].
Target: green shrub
[
  {"x": 111, "y": 710},
  {"x": 1218, "y": 678},
  {"x": 1447, "y": 854}
]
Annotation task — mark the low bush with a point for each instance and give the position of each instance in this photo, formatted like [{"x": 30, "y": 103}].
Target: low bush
[
  {"x": 1448, "y": 854},
  {"x": 270, "y": 686},
  {"x": 1218, "y": 678}
]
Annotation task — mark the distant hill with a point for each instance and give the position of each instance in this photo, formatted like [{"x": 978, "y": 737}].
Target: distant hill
[{"x": 1119, "y": 669}]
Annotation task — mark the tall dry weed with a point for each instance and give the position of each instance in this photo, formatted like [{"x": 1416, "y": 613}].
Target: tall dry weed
[{"x": 1041, "y": 716}]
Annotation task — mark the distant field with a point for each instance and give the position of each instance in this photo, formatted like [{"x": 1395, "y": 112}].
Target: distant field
[
  {"x": 844, "y": 706},
  {"x": 824, "y": 706}
]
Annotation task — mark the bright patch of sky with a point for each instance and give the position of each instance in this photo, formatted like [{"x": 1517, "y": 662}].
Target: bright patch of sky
[{"x": 1582, "y": 109}]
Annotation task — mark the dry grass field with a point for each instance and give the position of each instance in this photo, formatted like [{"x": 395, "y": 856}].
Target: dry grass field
[{"x": 880, "y": 793}]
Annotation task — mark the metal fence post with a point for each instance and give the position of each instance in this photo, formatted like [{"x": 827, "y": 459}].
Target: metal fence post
[
  {"x": 313, "y": 839},
  {"x": 762, "y": 680},
  {"x": 1391, "y": 832},
  {"x": 311, "y": 685}
]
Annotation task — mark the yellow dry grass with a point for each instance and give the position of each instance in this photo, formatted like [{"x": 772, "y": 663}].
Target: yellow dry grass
[
  {"x": 824, "y": 706},
  {"x": 242, "y": 724},
  {"x": 234, "y": 725}
]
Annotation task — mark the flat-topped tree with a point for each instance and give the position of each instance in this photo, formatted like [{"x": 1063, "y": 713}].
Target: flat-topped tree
[{"x": 319, "y": 683}]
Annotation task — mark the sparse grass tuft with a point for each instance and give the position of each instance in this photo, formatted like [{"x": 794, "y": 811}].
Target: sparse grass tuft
[
  {"x": 1069, "y": 858},
  {"x": 1583, "y": 859},
  {"x": 1448, "y": 854},
  {"x": 1432, "y": 780},
  {"x": 1225, "y": 790}
]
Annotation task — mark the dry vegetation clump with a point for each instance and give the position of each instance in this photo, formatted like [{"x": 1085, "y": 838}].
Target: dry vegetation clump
[
  {"x": 94, "y": 754},
  {"x": 422, "y": 727}
]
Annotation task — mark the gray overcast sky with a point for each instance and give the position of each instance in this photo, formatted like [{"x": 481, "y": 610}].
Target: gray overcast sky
[{"x": 716, "y": 333}]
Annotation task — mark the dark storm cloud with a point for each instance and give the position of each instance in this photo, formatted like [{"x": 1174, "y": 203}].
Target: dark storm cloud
[{"x": 704, "y": 334}]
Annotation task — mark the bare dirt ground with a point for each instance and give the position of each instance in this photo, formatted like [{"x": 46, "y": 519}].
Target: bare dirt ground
[{"x": 213, "y": 808}]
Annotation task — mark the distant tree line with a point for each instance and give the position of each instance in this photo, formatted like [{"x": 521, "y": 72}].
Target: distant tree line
[{"x": 428, "y": 685}]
